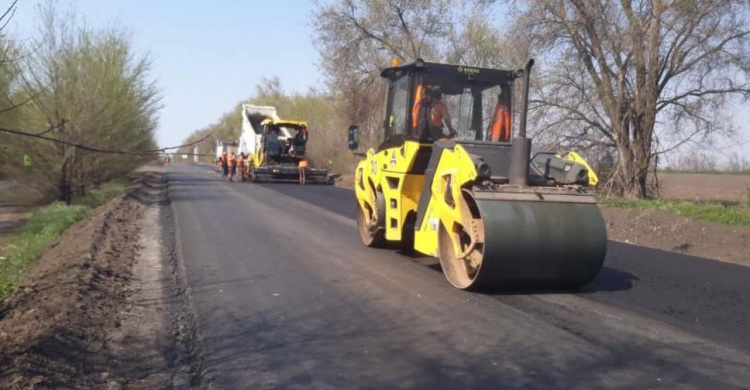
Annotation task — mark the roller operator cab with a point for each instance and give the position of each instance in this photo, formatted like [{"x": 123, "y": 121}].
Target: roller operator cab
[{"x": 452, "y": 180}]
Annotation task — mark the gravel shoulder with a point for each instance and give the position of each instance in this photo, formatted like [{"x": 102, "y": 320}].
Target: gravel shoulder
[{"x": 95, "y": 311}]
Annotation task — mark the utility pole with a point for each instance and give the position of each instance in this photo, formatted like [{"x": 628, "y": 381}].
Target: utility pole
[{"x": 64, "y": 179}]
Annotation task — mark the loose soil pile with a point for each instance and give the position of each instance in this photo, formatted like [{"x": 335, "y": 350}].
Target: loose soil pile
[
  {"x": 62, "y": 326},
  {"x": 662, "y": 230}
]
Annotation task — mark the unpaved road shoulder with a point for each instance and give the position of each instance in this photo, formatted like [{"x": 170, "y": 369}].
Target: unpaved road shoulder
[
  {"x": 661, "y": 230},
  {"x": 95, "y": 310}
]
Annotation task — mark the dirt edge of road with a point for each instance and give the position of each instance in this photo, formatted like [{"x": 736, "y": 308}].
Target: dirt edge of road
[
  {"x": 106, "y": 305},
  {"x": 182, "y": 309},
  {"x": 668, "y": 232}
]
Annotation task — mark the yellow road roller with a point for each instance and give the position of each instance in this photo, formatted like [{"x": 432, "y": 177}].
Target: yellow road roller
[{"x": 451, "y": 179}]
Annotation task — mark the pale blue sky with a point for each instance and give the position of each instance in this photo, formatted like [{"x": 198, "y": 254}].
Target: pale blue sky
[{"x": 209, "y": 55}]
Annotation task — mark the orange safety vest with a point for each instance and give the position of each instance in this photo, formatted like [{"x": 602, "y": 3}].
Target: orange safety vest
[
  {"x": 415, "y": 109},
  {"x": 500, "y": 130}
]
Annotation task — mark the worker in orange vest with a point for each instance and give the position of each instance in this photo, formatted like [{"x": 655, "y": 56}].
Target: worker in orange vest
[
  {"x": 501, "y": 127},
  {"x": 232, "y": 166},
  {"x": 302, "y": 166},
  {"x": 223, "y": 164},
  {"x": 241, "y": 166},
  {"x": 500, "y": 130}
]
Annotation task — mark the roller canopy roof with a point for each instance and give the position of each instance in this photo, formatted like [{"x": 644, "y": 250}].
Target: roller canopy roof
[{"x": 453, "y": 78}]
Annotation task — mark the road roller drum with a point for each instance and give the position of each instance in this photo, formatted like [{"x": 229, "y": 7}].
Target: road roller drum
[{"x": 527, "y": 244}]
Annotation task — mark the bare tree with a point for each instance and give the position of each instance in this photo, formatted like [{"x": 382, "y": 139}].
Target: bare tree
[
  {"x": 8, "y": 67},
  {"x": 736, "y": 163},
  {"x": 475, "y": 40},
  {"x": 361, "y": 30},
  {"x": 697, "y": 161},
  {"x": 88, "y": 87},
  {"x": 642, "y": 77},
  {"x": 357, "y": 38}
]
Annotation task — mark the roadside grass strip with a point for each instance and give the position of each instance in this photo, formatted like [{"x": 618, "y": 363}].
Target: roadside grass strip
[
  {"x": 101, "y": 195},
  {"x": 725, "y": 213},
  {"x": 46, "y": 224}
]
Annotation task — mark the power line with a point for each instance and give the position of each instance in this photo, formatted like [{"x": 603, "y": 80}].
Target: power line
[
  {"x": 57, "y": 126},
  {"x": 87, "y": 148}
]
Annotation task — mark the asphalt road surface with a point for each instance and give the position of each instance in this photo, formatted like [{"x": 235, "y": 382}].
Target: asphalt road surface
[{"x": 286, "y": 296}]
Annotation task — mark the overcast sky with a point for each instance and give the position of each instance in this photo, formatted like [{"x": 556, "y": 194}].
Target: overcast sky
[{"x": 209, "y": 55}]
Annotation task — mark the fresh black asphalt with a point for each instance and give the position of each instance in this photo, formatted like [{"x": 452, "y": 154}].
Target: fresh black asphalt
[{"x": 287, "y": 297}]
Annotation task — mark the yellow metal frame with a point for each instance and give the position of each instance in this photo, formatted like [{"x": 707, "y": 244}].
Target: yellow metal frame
[
  {"x": 576, "y": 158},
  {"x": 454, "y": 171},
  {"x": 386, "y": 171}
]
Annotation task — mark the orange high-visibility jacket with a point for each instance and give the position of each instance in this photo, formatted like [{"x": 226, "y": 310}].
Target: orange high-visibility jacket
[{"x": 500, "y": 130}]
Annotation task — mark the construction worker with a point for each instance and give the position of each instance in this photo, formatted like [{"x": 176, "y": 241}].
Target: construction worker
[
  {"x": 224, "y": 164},
  {"x": 439, "y": 114},
  {"x": 241, "y": 166},
  {"x": 302, "y": 166},
  {"x": 298, "y": 143},
  {"x": 500, "y": 128},
  {"x": 232, "y": 166},
  {"x": 273, "y": 147}
]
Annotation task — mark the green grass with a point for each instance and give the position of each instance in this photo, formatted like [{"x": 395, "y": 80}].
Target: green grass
[
  {"x": 46, "y": 224},
  {"x": 101, "y": 195},
  {"x": 726, "y": 213},
  {"x": 714, "y": 172}
]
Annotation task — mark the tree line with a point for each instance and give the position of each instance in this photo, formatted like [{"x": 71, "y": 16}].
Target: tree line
[
  {"x": 80, "y": 85},
  {"x": 623, "y": 82}
]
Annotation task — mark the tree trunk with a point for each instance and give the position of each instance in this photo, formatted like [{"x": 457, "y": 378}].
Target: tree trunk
[
  {"x": 632, "y": 167},
  {"x": 64, "y": 187}
]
